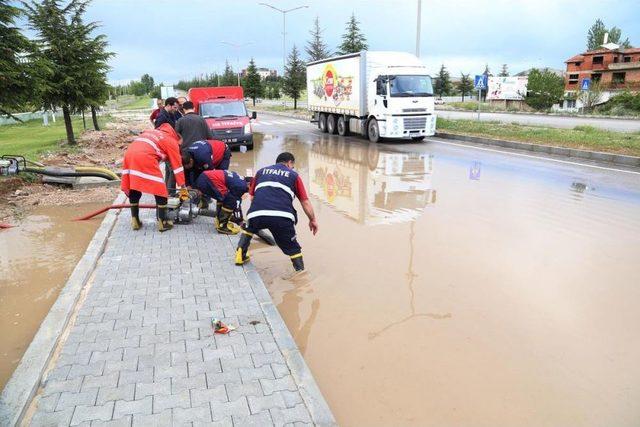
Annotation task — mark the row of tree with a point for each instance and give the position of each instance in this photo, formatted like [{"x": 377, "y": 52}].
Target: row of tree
[{"x": 63, "y": 67}]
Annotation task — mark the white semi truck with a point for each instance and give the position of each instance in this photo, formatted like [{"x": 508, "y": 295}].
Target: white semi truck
[{"x": 374, "y": 94}]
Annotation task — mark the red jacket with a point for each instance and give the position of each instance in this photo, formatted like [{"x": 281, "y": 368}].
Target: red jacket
[{"x": 141, "y": 168}]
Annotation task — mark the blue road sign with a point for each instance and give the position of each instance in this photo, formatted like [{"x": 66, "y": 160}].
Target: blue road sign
[
  {"x": 586, "y": 84},
  {"x": 480, "y": 82}
]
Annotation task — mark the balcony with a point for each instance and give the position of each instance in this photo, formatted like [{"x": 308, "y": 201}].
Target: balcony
[{"x": 624, "y": 65}]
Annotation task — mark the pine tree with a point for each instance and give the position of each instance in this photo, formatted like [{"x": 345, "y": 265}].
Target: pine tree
[
  {"x": 316, "y": 48},
  {"x": 352, "y": 40},
  {"x": 253, "y": 87},
  {"x": 294, "y": 77},
  {"x": 70, "y": 50},
  {"x": 229, "y": 78},
  {"x": 443, "y": 82},
  {"x": 465, "y": 85},
  {"x": 505, "y": 71},
  {"x": 21, "y": 69}
]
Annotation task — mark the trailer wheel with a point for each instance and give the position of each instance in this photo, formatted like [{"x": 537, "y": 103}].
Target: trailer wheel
[
  {"x": 332, "y": 126},
  {"x": 373, "y": 131},
  {"x": 322, "y": 122},
  {"x": 343, "y": 126}
]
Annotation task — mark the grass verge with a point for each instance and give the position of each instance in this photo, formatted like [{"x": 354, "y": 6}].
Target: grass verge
[
  {"x": 580, "y": 137},
  {"x": 134, "y": 103},
  {"x": 31, "y": 139}
]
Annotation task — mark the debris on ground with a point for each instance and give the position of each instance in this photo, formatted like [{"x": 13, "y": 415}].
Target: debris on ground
[
  {"x": 104, "y": 148},
  {"x": 221, "y": 328}
]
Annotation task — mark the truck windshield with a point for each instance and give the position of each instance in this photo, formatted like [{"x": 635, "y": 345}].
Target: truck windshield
[
  {"x": 223, "y": 109},
  {"x": 410, "y": 86}
]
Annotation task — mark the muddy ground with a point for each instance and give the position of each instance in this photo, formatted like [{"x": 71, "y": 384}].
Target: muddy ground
[{"x": 104, "y": 148}]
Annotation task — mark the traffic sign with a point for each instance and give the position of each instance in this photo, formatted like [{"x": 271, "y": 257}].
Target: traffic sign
[
  {"x": 480, "y": 82},
  {"x": 586, "y": 84}
]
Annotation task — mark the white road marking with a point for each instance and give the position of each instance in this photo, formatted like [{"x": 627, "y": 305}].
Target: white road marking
[
  {"x": 278, "y": 123},
  {"x": 535, "y": 157},
  {"x": 264, "y": 123}
]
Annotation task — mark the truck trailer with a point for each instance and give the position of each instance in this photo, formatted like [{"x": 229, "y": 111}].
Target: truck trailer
[{"x": 373, "y": 94}]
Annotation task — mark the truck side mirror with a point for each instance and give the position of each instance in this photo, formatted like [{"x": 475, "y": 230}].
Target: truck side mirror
[{"x": 254, "y": 115}]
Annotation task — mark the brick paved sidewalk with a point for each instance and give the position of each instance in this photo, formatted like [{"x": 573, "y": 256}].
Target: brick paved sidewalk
[{"x": 142, "y": 351}]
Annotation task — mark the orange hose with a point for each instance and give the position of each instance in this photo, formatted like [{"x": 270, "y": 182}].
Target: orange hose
[{"x": 99, "y": 211}]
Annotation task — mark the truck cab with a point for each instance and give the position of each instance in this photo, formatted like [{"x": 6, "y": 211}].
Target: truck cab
[
  {"x": 402, "y": 105},
  {"x": 225, "y": 112}
]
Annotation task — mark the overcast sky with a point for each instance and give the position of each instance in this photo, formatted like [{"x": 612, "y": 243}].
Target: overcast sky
[{"x": 174, "y": 39}]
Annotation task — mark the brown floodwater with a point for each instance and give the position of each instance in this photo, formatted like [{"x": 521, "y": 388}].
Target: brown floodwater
[
  {"x": 36, "y": 258},
  {"x": 454, "y": 287}
]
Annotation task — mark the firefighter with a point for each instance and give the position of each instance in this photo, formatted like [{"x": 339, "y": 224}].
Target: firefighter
[
  {"x": 273, "y": 189},
  {"x": 141, "y": 172},
  {"x": 205, "y": 155},
  {"x": 227, "y": 188}
]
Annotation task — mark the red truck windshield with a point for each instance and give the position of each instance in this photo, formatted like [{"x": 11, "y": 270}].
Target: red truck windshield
[{"x": 222, "y": 109}]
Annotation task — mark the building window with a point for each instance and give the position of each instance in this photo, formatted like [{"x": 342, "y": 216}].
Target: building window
[
  {"x": 573, "y": 78},
  {"x": 596, "y": 77},
  {"x": 627, "y": 59},
  {"x": 578, "y": 64},
  {"x": 597, "y": 60},
  {"x": 615, "y": 60},
  {"x": 570, "y": 103},
  {"x": 618, "y": 78}
]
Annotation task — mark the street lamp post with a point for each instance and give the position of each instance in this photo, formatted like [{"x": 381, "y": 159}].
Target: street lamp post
[
  {"x": 284, "y": 30},
  {"x": 237, "y": 47},
  {"x": 419, "y": 18}
]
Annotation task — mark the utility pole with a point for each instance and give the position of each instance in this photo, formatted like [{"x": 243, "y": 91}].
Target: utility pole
[
  {"x": 237, "y": 47},
  {"x": 419, "y": 20},
  {"x": 284, "y": 30}
]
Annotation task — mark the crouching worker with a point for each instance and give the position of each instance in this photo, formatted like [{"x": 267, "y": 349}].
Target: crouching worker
[
  {"x": 227, "y": 188},
  {"x": 205, "y": 155},
  {"x": 141, "y": 172},
  {"x": 273, "y": 189}
]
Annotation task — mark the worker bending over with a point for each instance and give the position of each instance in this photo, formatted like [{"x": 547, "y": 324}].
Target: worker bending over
[
  {"x": 141, "y": 171},
  {"x": 205, "y": 155},
  {"x": 273, "y": 189},
  {"x": 227, "y": 188}
]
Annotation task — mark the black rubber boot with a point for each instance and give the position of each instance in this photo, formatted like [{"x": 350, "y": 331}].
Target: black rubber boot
[
  {"x": 163, "y": 223},
  {"x": 243, "y": 247},
  {"x": 224, "y": 215},
  {"x": 298, "y": 263},
  {"x": 136, "y": 224}
]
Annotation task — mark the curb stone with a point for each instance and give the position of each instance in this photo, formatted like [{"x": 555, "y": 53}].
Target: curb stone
[
  {"x": 23, "y": 384},
  {"x": 321, "y": 414},
  {"x": 607, "y": 158},
  {"x": 537, "y": 113}
]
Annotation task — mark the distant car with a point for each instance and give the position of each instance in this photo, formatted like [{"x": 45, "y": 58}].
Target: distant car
[{"x": 438, "y": 101}]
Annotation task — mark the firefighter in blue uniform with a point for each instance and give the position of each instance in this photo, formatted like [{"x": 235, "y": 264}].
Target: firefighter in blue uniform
[
  {"x": 205, "y": 155},
  {"x": 273, "y": 189},
  {"x": 227, "y": 188}
]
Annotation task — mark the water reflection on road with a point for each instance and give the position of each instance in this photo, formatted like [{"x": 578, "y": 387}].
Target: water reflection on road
[{"x": 508, "y": 299}]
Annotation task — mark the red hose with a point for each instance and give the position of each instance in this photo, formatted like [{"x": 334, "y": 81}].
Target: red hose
[
  {"x": 99, "y": 211},
  {"x": 3, "y": 225}
]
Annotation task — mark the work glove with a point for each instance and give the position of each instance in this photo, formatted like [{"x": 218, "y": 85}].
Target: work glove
[{"x": 183, "y": 193}]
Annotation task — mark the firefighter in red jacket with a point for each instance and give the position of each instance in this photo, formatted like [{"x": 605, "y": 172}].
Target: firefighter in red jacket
[
  {"x": 141, "y": 172},
  {"x": 205, "y": 155},
  {"x": 227, "y": 187}
]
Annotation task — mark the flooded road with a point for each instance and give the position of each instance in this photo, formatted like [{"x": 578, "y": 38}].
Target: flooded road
[
  {"x": 450, "y": 286},
  {"x": 36, "y": 258}
]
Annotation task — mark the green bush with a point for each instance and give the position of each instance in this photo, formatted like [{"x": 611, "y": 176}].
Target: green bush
[{"x": 622, "y": 104}]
